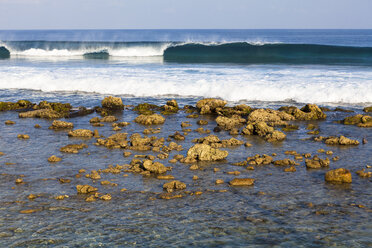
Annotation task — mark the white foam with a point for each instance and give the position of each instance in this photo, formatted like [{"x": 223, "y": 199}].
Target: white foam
[
  {"x": 129, "y": 51},
  {"x": 141, "y": 50},
  {"x": 261, "y": 83}
]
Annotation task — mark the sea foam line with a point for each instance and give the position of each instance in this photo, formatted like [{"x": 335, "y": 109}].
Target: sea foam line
[{"x": 301, "y": 85}]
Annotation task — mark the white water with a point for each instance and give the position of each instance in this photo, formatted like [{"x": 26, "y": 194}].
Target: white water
[
  {"x": 263, "y": 83},
  {"x": 140, "y": 50}
]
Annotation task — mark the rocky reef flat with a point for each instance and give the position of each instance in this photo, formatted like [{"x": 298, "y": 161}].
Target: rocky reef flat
[{"x": 201, "y": 172}]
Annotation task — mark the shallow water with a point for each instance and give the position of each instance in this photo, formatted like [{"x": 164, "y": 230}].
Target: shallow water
[{"x": 275, "y": 212}]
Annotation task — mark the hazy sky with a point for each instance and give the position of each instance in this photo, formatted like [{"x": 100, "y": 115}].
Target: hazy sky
[{"x": 178, "y": 14}]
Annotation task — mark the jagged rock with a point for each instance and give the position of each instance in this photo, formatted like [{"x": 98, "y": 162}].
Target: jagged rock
[
  {"x": 21, "y": 104},
  {"x": 177, "y": 136},
  {"x": 209, "y": 105},
  {"x": 154, "y": 167},
  {"x": 73, "y": 148},
  {"x": 285, "y": 162},
  {"x": 363, "y": 173},
  {"x": 109, "y": 118},
  {"x": 231, "y": 142},
  {"x": 137, "y": 142},
  {"x": 112, "y": 103},
  {"x": 118, "y": 140},
  {"x": 229, "y": 123},
  {"x": 170, "y": 107},
  {"x": 84, "y": 133},
  {"x": 260, "y": 160},
  {"x": 174, "y": 185},
  {"x": 241, "y": 110},
  {"x": 41, "y": 113},
  {"x": 316, "y": 162},
  {"x": 61, "y": 125},
  {"x": 85, "y": 189},
  {"x": 106, "y": 197},
  {"x": 265, "y": 131},
  {"x": 94, "y": 175},
  {"x": 242, "y": 182},
  {"x": 340, "y": 175},
  {"x": 146, "y": 108},
  {"x": 270, "y": 116},
  {"x": 153, "y": 119},
  {"x": 203, "y": 152},
  {"x": 307, "y": 113},
  {"x": 359, "y": 120},
  {"x": 342, "y": 140}
]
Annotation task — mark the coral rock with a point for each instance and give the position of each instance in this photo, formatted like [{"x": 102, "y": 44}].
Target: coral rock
[{"x": 338, "y": 176}]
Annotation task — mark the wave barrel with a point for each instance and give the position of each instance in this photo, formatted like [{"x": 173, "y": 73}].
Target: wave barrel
[{"x": 246, "y": 53}]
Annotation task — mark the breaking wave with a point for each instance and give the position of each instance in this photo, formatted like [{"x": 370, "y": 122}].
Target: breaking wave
[{"x": 191, "y": 52}]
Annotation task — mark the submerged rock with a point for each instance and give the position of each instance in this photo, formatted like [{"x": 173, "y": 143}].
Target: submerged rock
[
  {"x": 9, "y": 122},
  {"x": 260, "y": 160},
  {"x": 73, "y": 148},
  {"x": 342, "y": 140},
  {"x": 340, "y": 175},
  {"x": 41, "y": 113},
  {"x": 363, "y": 173}
]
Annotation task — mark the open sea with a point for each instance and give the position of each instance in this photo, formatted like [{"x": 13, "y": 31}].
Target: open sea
[{"x": 261, "y": 68}]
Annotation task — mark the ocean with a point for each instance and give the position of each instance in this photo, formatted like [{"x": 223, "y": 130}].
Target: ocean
[
  {"x": 318, "y": 66},
  {"x": 259, "y": 68}
]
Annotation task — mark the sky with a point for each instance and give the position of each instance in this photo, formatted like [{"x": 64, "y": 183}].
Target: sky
[{"x": 184, "y": 14}]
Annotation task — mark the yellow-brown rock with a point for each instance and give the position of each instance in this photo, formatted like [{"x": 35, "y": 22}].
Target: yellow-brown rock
[
  {"x": 340, "y": 175},
  {"x": 61, "y": 125},
  {"x": 242, "y": 182},
  {"x": 112, "y": 103},
  {"x": 54, "y": 159},
  {"x": 209, "y": 105},
  {"x": 85, "y": 189},
  {"x": 154, "y": 119},
  {"x": 81, "y": 133},
  {"x": 203, "y": 152},
  {"x": 174, "y": 185}
]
